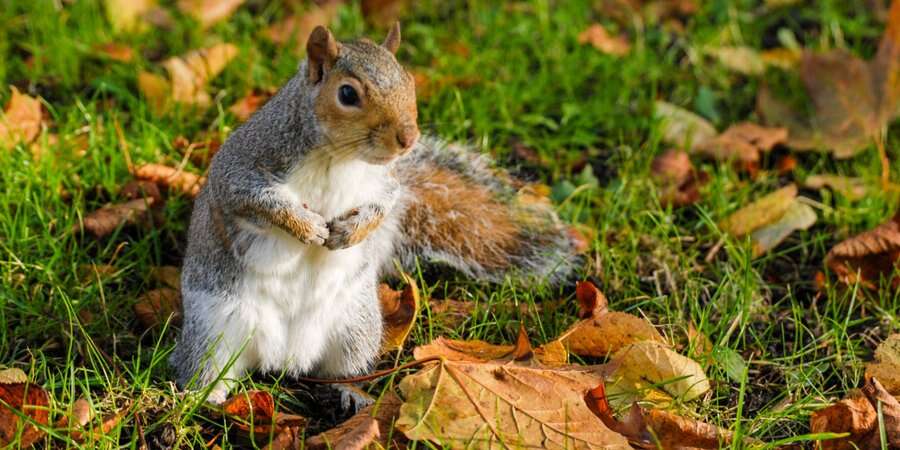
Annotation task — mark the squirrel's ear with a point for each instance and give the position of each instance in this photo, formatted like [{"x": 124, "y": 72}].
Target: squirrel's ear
[
  {"x": 392, "y": 41},
  {"x": 321, "y": 50}
]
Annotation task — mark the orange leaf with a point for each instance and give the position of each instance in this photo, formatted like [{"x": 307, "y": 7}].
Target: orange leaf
[
  {"x": 115, "y": 52},
  {"x": 372, "y": 423},
  {"x": 295, "y": 29},
  {"x": 248, "y": 104},
  {"x": 209, "y": 12},
  {"x": 383, "y": 12},
  {"x": 600, "y": 39},
  {"x": 679, "y": 183},
  {"x": 399, "y": 311},
  {"x": 154, "y": 308},
  {"x": 857, "y": 415},
  {"x": 742, "y": 142},
  {"x": 22, "y": 398}
]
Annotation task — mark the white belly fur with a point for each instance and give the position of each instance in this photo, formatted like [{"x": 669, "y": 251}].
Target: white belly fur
[{"x": 294, "y": 296}]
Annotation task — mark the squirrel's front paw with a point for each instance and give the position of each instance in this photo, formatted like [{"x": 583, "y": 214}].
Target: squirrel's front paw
[
  {"x": 311, "y": 228},
  {"x": 353, "y": 227}
]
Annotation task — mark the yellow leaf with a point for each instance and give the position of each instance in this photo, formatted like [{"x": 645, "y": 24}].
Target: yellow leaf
[{"x": 209, "y": 12}]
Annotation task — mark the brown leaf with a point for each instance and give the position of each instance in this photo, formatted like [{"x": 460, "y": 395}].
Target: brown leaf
[
  {"x": 457, "y": 403},
  {"x": 853, "y": 99},
  {"x": 254, "y": 412},
  {"x": 886, "y": 367},
  {"x": 22, "y": 398},
  {"x": 399, "y": 310},
  {"x": 679, "y": 183},
  {"x": 383, "y": 12},
  {"x": 248, "y": 104},
  {"x": 602, "y": 332},
  {"x": 189, "y": 74},
  {"x": 171, "y": 177},
  {"x": 653, "y": 11},
  {"x": 868, "y": 256},
  {"x": 20, "y": 121},
  {"x": 550, "y": 354},
  {"x": 209, "y": 12},
  {"x": 449, "y": 312},
  {"x": 599, "y": 38},
  {"x": 295, "y": 30},
  {"x": 857, "y": 415},
  {"x": 105, "y": 220},
  {"x": 656, "y": 428},
  {"x": 115, "y": 51},
  {"x": 169, "y": 276},
  {"x": 742, "y": 142},
  {"x": 372, "y": 423},
  {"x": 140, "y": 189},
  {"x": 154, "y": 308}
]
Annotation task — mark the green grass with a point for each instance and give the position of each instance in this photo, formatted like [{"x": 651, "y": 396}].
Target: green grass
[{"x": 782, "y": 349}]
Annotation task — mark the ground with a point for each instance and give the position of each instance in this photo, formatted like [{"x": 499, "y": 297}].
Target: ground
[{"x": 504, "y": 74}]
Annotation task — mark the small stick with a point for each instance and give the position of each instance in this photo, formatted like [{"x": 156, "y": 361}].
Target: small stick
[{"x": 371, "y": 376}]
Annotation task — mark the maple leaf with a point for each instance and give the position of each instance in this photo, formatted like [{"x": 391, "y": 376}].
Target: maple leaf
[
  {"x": 868, "y": 256},
  {"x": 853, "y": 99},
  {"x": 460, "y": 404}
]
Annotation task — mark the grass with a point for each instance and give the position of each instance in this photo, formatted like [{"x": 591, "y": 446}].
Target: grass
[{"x": 782, "y": 349}]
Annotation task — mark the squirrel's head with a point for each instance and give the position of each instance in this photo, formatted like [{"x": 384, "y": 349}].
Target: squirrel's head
[{"x": 366, "y": 99}]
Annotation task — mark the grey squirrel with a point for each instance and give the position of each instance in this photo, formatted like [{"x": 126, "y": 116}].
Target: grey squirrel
[{"x": 315, "y": 197}]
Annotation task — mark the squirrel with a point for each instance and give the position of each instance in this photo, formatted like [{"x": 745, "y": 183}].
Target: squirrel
[{"x": 316, "y": 197}]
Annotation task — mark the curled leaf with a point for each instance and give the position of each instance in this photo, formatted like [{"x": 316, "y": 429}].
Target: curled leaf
[
  {"x": 799, "y": 216},
  {"x": 171, "y": 177},
  {"x": 857, "y": 415},
  {"x": 372, "y": 423},
  {"x": 399, "y": 310},
  {"x": 868, "y": 256}
]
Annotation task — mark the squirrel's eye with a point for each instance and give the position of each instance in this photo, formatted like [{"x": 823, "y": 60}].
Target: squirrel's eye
[{"x": 348, "y": 96}]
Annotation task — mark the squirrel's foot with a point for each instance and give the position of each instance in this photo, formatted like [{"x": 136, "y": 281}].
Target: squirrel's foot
[
  {"x": 353, "y": 227},
  {"x": 311, "y": 228}
]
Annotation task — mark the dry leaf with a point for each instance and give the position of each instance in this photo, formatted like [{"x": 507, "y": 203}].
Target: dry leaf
[
  {"x": 127, "y": 15},
  {"x": 857, "y": 415},
  {"x": 169, "y": 276},
  {"x": 383, "y": 12},
  {"x": 682, "y": 128},
  {"x": 868, "y": 256},
  {"x": 679, "y": 183},
  {"x": 456, "y": 404},
  {"x": 188, "y": 76},
  {"x": 645, "y": 363},
  {"x": 295, "y": 29},
  {"x": 373, "y": 423},
  {"x": 171, "y": 177},
  {"x": 21, "y": 119},
  {"x": 850, "y": 187},
  {"x": 115, "y": 52},
  {"x": 475, "y": 351},
  {"x": 450, "y": 313},
  {"x": 652, "y": 11},
  {"x": 107, "y": 219},
  {"x": 399, "y": 310},
  {"x": 742, "y": 142},
  {"x": 602, "y": 332},
  {"x": 21, "y": 398},
  {"x": 853, "y": 99},
  {"x": 762, "y": 212},
  {"x": 656, "y": 428},
  {"x": 156, "y": 307},
  {"x": 782, "y": 58},
  {"x": 209, "y": 12},
  {"x": 886, "y": 367},
  {"x": 139, "y": 189},
  {"x": 254, "y": 412},
  {"x": 248, "y": 104},
  {"x": 740, "y": 59},
  {"x": 600, "y": 39},
  {"x": 13, "y": 376},
  {"x": 799, "y": 216}
]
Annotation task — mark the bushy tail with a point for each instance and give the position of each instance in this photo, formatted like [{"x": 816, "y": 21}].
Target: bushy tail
[{"x": 464, "y": 212}]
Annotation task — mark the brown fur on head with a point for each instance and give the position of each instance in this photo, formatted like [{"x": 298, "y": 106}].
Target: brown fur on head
[{"x": 366, "y": 100}]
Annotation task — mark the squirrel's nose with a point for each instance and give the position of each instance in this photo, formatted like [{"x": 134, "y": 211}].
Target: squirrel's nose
[{"x": 407, "y": 136}]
